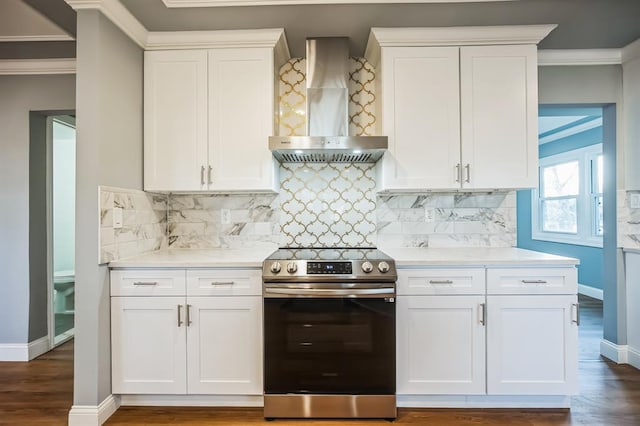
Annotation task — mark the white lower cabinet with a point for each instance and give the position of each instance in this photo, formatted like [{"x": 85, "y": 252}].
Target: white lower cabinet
[
  {"x": 441, "y": 345},
  {"x": 532, "y": 345},
  {"x": 511, "y": 341},
  {"x": 147, "y": 345},
  {"x": 224, "y": 345},
  {"x": 167, "y": 344}
]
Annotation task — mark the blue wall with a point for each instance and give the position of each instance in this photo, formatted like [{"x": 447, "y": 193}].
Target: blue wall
[{"x": 590, "y": 270}]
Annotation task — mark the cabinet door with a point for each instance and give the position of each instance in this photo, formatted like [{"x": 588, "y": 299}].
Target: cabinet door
[
  {"x": 441, "y": 345},
  {"x": 499, "y": 115},
  {"x": 532, "y": 345},
  {"x": 148, "y": 345},
  {"x": 175, "y": 120},
  {"x": 241, "y": 105},
  {"x": 421, "y": 117},
  {"x": 224, "y": 345}
]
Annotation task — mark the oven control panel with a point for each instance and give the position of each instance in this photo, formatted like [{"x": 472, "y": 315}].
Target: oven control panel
[{"x": 318, "y": 268}]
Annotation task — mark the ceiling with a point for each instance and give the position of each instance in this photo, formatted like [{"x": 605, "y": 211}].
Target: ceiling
[
  {"x": 582, "y": 24},
  {"x": 556, "y": 123}
]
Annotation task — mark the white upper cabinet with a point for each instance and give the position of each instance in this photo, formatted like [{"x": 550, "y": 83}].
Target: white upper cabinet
[
  {"x": 175, "y": 119},
  {"x": 499, "y": 110},
  {"x": 241, "y": 117},
  {"x": 421, "y": 117},
  {"x": 459, "y": 106},
  {"x": 209, "y": 113}
]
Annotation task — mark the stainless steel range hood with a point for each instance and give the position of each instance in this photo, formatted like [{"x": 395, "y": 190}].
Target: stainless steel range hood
[{"x": 328, "y": 137}]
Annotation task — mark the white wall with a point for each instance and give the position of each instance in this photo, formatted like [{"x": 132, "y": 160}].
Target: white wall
[
  {"x": 109, "y": 152},
  {"x": 18, "y": 96}
]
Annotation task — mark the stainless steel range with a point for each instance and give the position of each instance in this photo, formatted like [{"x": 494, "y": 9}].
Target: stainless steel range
[{"x": 329, "y": 333}]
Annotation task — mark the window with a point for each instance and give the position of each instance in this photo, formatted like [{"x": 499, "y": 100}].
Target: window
[{"x": 567, "y": 207}]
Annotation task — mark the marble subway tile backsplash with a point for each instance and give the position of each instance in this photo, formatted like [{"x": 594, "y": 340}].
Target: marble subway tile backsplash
[
  {"x": 447, "y": 220},
  {"x": 628, "y": 220},
  {"x": 195, "y": 220},
  {"x": 144, "y": 224}
]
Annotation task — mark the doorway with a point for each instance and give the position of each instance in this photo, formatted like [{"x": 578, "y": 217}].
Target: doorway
[{"x": 61, "y": 175}]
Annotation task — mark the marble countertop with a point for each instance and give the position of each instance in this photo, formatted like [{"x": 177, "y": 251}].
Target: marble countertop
[
  {"x": 253, "y": 257},
  {"x": 198, "y": 258},
  {"x": 480, "y": 256}
]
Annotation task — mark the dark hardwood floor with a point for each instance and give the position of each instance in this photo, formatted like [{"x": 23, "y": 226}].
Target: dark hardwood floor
[{"x": 40, "y": 393}]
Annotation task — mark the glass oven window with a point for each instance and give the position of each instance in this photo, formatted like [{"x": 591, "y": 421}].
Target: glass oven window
[{"x": 330, "y": 346}]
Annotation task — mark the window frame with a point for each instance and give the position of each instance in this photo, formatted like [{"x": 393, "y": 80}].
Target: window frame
[{"x": 586, "y": 206}]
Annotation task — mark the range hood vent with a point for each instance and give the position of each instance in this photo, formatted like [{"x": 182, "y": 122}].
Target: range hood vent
[{"x": 327, "y": 112}]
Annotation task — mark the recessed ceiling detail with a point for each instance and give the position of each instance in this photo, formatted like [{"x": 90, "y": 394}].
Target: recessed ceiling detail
[
  {"x": 19, "y": 22},
  {"x": 221, "y": 3}
]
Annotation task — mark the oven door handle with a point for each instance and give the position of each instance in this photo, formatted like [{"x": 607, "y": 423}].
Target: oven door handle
[{"x": 315, "y": 292}]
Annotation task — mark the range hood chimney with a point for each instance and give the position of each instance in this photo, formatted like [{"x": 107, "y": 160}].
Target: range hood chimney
[{"x": 328, "y": 137}]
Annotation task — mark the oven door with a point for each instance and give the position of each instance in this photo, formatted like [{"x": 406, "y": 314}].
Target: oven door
[{"x": 328, "y": 342}]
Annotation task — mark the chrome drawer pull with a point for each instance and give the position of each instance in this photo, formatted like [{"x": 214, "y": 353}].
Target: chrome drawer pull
[
  {"x": 577, "y": 320},
  {"x": 483, "y": 314},
  {"x": 223, "y": 282},
  {"x": 188, "y": 315},
  {"x": 180, "y": 322},
  {"x": 534, "y": 281},
  {"x": 440, "y": 282},
  {"x": 147, "y": 283}
]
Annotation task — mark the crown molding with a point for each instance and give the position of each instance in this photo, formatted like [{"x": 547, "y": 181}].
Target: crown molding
[
  {"x": 118, "y": 14},
  {"x": 37, "y": 66},
  {"x": 222, "y": 3},
  {"x": 61, "y": 37},
  {"x": 451, "y": 36},
  {"x": 163, "y": 40},
  {"x": 631, "y": 51},
  {"x": 557, "y": 57}
]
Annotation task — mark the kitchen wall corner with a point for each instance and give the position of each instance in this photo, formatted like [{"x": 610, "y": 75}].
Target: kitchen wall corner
[{"x": 144, "y": 224}]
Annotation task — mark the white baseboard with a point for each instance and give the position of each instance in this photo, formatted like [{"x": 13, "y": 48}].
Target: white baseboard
[
  {"x": 634, "y": 357},
  {"x": 616, "y": 353},
  {"x": 194, "y": 400},
  {"x": 38, "y": 347},
  {"x": 483, "y": 401},
  {"x": 24, "y": 351},
  {"x": 596, "y": 293},
  {"x": 92, "y": 415}
]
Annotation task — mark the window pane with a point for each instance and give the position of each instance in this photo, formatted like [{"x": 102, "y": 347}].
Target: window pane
[
  {"x": 561, "y": 179},
  {"x": 560, "y": 215},
  {"x": 597, "y": 175}
]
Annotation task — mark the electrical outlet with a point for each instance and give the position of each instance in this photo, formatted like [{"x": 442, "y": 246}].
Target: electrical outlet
[
  {"x": 429, "y": 215},
  {"x": 634, "y": 201},
  {"x": 225, "y": 216},
  {"x": 117, "y": 217}
]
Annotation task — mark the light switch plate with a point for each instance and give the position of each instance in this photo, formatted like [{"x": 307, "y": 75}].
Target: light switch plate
[
  {"x": 117, "y": 217},
  {"x": 429, "y": 215},
  {"x": 225, "y": 216},
  {"x": 634, "y": 201}
]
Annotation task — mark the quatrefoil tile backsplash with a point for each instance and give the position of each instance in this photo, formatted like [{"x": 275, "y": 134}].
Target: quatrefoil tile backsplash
[{"x": 327, "y": 205}]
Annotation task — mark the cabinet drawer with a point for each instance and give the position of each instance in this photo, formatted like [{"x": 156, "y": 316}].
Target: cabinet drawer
[
  {"x": 441, "y": 281},
  {"x": 231, "y": 282},
  {"x": 532, "y": 281},
  {"x": 148, "y": 282}
]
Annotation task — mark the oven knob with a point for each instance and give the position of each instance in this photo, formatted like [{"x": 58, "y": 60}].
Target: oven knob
[
  {"x": 275, "y": 267},
  {"x": 292, "y": 267},
  {"x": 367, "y": 267},
  {"x": 383, "y": 267}
]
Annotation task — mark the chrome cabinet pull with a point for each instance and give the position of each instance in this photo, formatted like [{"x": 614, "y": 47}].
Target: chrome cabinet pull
[
  {"x": 468, "y": 169},
  {"x": 576, "y": 321},
  {"x": 188, "y": 315},
  {"x": 179, "y": 315},
  {"x": 458, "y": 173},
  {"x": 533, "y": 281},
  {"x": 440, "y": 282},
  {"x": 483, "y": 314},
  {"x": 223, "y": 282},
  {"x": 209, "y": 175},
  {"x": 202, "y": 175},
  {"x": 145, "y": 283}
]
